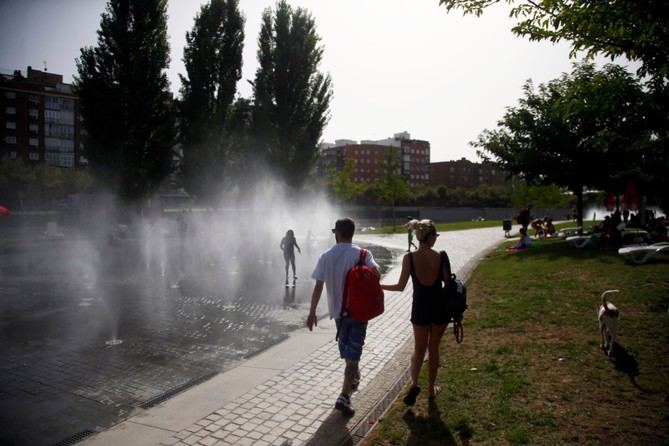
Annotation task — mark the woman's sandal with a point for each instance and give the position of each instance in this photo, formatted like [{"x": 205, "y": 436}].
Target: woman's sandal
[
  {"x": 437, "y": 391},
  {"x": 410, "y": 398}
]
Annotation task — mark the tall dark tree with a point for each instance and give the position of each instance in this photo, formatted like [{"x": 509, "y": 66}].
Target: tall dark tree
[
  {"x": 586, "y": 128},
  {"x": 126, "y": 104},
  {"x": 636, "y": 29},
  {"x": 291, "y": 97},
  {"x": 213, "y": 60}
]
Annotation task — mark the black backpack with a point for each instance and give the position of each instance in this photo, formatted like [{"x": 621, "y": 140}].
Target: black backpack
[{"x": 455, "y": 294}]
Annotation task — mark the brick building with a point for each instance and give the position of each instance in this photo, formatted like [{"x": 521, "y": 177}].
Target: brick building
[
  {"x": 412, "y": 156},
  {"x": 465, "y": 173},
  {"x": 39, "y": 119}
]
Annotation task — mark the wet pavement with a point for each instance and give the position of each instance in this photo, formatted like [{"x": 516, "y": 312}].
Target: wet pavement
[
  {"x": 93, "y": 330},
  {"x": 284, "y": 396}
]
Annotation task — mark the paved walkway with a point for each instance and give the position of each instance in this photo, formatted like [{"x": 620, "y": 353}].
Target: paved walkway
[{"x": 285, "y": 395}]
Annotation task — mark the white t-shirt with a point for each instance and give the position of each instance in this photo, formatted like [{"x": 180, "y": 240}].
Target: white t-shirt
[{"x": 332, "y": 267}]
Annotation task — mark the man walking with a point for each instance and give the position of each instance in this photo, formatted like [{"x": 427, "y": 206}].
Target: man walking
[{"x": 331, "y": 270}]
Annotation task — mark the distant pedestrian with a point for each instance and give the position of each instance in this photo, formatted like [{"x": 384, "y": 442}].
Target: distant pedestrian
[
  {"x": 524, "y": 217},
  {"x": 288, "y": 245},
  {"x": 331, "y": 270},
  {"x": 429, "y": 316},
  {"x": 410, "y": 234}
]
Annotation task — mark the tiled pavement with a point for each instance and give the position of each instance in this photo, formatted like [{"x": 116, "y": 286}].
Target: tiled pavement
[{"x": 293, "y": 404}]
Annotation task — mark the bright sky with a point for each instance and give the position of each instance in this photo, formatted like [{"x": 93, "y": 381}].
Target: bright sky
[{"x": 395, "y": 64}]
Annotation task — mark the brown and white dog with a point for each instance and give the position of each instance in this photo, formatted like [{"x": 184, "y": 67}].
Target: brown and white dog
[{"x": 607, "y": 314}]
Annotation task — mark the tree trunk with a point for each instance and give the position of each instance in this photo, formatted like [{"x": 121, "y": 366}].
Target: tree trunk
[
  {"x": 579, "y": 208},
  {"x": 392, "y": 210}
]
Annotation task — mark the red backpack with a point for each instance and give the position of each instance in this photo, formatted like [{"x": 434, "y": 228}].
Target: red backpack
[{"x": 363, "y": 296}]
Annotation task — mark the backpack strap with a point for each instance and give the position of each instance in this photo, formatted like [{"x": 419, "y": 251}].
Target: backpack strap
[
  {"x": 445, "y": 264},
  {"x": 411, "y": 267},
  {"x": 363, "y": 255}
]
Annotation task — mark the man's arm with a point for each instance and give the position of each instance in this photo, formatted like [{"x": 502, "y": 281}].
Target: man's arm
[{"x": 315, "y": 297}]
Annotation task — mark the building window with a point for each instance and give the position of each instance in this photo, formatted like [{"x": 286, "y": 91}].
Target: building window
[
  {"x": 10, "y": 95},
  {"x": 33, "y": 142},
  {"x": 67, "y": 104},
  {"x": 52, "y": 102},
  {"x": 10, "y": 125},
  {"x": 63, "y": 131},
  {"x": 33, "y": 99},
  {"x": 33, "y": 128},
  {"x": 10, "y": 139},
  {"x": 65, "y": 117},
  {"x": 34, "y": 113},
  {"x": 34, "y": 156},
  {"x": 12, "y": 155},
  {"x": 59, "y": 159},
  {"x": 10, "y": 110}
]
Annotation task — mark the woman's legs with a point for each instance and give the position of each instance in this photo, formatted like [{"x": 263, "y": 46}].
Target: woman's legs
[
  {"x": 436, "y": 332},
  {"x": 420, "y": 337},
  {"x": 292, "y": 263}
]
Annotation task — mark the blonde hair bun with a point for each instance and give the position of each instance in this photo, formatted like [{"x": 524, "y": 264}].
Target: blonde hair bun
[{"x": 422, "y": 228}]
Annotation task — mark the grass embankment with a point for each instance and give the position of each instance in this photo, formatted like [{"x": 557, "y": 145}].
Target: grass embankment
[
  {"x": 530, "y": 369},
  {"x": 443, "y": 227},
  {"x": 473, "y": 224}
]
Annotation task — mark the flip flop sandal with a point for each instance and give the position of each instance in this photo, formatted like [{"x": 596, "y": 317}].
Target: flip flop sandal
[
  {"x": 410, "y": 398},
  {"x": 437, "y": 391}
]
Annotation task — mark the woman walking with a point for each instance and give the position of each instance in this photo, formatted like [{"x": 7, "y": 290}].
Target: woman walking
[{"x": 428, "y": 269}]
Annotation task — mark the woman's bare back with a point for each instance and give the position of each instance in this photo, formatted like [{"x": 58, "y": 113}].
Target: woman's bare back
[{"x": 426, "y": 266}]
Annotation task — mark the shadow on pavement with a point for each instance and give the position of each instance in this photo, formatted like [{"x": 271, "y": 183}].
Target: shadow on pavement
[{"x": 333, "y": 431}]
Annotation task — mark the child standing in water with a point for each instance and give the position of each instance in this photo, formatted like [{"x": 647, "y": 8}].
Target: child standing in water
[{"x": 288, "y": 245}]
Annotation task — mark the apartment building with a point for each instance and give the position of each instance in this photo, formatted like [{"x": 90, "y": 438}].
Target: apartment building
[
  {"x": 412, "y": 157},
  {"x": 465, "y": 173},
  {"x": 39, "y": 119}
]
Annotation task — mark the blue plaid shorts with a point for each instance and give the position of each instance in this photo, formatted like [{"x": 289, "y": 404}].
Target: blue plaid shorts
[{"x": 351, "y": 337}]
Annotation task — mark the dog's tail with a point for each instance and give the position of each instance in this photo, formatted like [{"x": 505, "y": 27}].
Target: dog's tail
[{"x": 604, "y": 302}]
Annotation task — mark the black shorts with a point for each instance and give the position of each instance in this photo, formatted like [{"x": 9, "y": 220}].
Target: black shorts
[{"x": 429, "y": 311}]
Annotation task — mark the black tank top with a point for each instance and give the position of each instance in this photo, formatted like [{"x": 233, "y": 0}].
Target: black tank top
[{"x": 428, "y": 306}]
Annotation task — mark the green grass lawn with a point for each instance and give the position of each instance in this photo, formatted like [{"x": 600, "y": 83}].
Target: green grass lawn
[
  {"x": 474, "y": 224},
  {"x": 530, "y": 369},
  {"x": 443, "y": 227}
]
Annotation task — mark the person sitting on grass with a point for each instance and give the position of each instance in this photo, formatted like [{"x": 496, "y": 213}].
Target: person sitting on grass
[
  {"x": 538, "y": 226},
  {"x": 524, "y": 242},
  {"x": 549, "y": 230}
]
